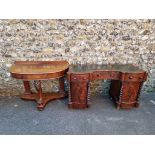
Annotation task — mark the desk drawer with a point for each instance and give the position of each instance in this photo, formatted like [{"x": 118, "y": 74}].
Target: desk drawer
[
  {"x": 80, "y": 77},
  {"x": 133, "y": 76},
  {"x": 99, "y": 75}
]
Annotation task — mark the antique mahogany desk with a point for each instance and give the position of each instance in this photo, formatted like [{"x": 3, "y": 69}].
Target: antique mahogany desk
[
  {"x": 126, "y": 83},
  {"x": 38, "y": 71}
]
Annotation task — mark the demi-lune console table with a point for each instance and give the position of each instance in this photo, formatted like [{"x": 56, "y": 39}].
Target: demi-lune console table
[
  {"x": 38, "y": 71},
  {"x": 126, "y": 83}
]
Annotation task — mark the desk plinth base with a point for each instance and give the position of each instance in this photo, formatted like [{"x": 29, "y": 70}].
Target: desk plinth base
[
  {"x": 78, "y": 106},
  {"x": 124, "y": 105},
  {"x": 46, "y": 97}
]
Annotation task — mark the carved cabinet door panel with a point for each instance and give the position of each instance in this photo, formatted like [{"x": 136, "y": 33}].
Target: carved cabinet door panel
[
  {"x": 79, "y": 92},
  {"x": 130, "y": 87},
  {"x": 130, "y": 91},
  {"x": 129, "y": 94},
  {"x": 125, "y": 93}
]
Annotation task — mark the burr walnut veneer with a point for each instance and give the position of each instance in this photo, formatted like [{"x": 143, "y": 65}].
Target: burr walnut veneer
[
  {"x": 126, "y": 83},
  {"x": 38, "y": 71}
]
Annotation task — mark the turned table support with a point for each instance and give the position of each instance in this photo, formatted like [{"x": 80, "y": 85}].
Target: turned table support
[
  {"x": 27, "y": 87},
  {"x": 61, "y": 85},
  {"x": 43, "y": 98},
  {"x": 41, "y": 104}
]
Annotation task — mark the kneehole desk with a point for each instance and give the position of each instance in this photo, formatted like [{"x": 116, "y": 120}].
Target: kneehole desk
[{"x": 125, "y": 87}]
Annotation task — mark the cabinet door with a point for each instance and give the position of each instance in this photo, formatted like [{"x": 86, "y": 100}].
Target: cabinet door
[
  {"x": 79, "y": 91},
  {"x": 130, "y": 91}
]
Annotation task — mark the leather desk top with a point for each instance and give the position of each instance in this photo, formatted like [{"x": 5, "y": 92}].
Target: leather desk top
[{"x": 124, "y": 68}]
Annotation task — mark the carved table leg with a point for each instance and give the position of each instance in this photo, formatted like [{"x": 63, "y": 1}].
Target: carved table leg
[
  {"x": 61, "y": 85},
  {"x": 27, "y": 87},
  {"x": 41, "y": 104},
  {"x": 27, "y": 93}
]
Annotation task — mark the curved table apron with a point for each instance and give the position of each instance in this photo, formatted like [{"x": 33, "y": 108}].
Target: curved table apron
[{"x": 38, "y": 71}]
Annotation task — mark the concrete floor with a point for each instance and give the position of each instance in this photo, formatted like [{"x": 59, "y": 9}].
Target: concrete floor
[{"x": 21, "y": 117}]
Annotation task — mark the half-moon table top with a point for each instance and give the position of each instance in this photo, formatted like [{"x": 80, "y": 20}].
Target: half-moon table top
[{"x": 38, "y": 70}]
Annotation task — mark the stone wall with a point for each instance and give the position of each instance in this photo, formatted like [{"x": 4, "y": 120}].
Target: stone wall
[{"x": 78, "y": 41}]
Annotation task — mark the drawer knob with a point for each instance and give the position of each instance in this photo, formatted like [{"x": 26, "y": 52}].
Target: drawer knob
[
  {"x": 84, "y": 78},
  {"x": 74, "y": 78},
  {"x": 112, "y": 75},
  {"x": 130, "y": 77}
]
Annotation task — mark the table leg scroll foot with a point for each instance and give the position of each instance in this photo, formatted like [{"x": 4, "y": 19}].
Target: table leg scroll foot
[{"x": 41, "y": 106}]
